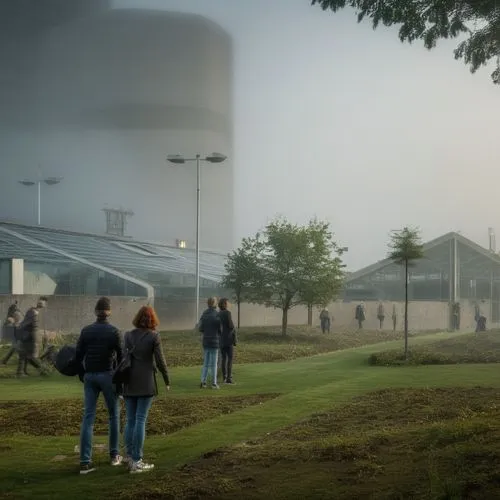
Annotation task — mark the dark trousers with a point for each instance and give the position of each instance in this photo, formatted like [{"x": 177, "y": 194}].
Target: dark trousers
[
  {"x": 9, "y": 355},
  {"x": 227, "y": 362},
  {"x": 22, "y": 364}
]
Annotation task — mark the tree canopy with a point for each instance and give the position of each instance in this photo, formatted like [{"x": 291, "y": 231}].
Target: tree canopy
[
  {"x": 432, "y": 20},
  {"x": 405, "y": 246},
  {"x": 290, "y": 265}
]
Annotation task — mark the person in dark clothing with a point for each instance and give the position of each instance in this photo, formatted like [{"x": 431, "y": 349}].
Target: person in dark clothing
[
  {"x": 98, "y": 347},
  {"x": 360, "y": 315},
  {"x": 381, "y": 315},
  {"x": 210, "y": 327},
  {"x": 228, "y": 341},
  {"x": 31, "y": 339},
  {"x": 325, "y": 320},
  {"x": 145, "y": 344},
  {"x": 12, "y": 323}
]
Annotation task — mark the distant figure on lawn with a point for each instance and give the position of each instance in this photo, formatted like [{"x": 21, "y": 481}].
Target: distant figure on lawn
[
  {"x": 381, "y": 315},
  {"x": 30, "y": 339},
  {"x": 325, "y": 320},
  {"x": 145, "y": 349},
  {"x": 360, "y": 314},
  {"x": 456, "y": 315},
  {"x": 394, "y": 317},
  {"x": 210, "y": 327},
  {"x": 97, "y": 349},
  {"x": 11, "y": 331},
  {"x": 228, "y": 341}
]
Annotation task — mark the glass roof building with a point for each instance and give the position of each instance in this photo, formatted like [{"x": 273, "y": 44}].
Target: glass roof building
[
  {"x": 57, "y": 262},
  {"x": 453, "y": 268}
]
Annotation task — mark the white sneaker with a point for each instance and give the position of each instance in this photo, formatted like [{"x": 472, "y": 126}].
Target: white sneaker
[
  {"x": 118, "y": 460},
  {"x": 140, "y": 466}
]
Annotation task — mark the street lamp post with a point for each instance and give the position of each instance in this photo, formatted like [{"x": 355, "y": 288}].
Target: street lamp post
[
  {"x": 50, "y": 181},
  {"x": 179, "y": 159}
]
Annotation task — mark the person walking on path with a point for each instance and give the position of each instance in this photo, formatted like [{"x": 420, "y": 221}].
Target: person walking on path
[
  {"x": 11, "y": 325},
  {"x": 210, "y": 328},
  {"x": 97, "y": 349},
  {"x": 144, "y": 346},
  {"x": 30, "y": 339},
  {"x": 228, "y": 341}
]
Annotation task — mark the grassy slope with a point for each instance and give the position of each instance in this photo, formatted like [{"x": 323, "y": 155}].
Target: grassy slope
[
  {"x": 308, "y": 385},
  {"x": 476, "y": 348}
]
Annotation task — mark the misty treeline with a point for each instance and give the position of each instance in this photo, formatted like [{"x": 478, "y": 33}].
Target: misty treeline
[
  {"x": 477, "y": 22},
  {"x": 286, "y": 265}
]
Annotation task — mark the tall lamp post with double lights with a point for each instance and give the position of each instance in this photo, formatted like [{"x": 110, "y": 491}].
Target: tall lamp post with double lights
[
  {"x": 179, "y": 159},
  {"x": 50, "y": 181}
]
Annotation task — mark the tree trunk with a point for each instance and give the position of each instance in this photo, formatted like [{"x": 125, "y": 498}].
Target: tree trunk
[
  {"x": 284, "y": 322},
  {"x": 239, "y": 312},
  {"x": 310, "y": 315},
  {"x": 406, "y": 310}
]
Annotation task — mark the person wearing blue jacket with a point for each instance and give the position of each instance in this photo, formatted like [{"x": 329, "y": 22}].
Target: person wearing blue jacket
[{"x": 210, "y": 328}]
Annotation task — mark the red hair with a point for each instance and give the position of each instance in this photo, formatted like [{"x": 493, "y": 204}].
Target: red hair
[{"x": 146, "y": 318}]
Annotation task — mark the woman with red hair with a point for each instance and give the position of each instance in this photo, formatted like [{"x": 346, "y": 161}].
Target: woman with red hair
[{"x": 145, "y": 349}]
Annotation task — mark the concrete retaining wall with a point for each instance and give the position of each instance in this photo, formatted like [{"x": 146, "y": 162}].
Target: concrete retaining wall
[{"x": 69, "y": 314}]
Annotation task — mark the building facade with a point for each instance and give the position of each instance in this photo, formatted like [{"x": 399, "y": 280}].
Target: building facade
[{"x": 100, "y": 97}]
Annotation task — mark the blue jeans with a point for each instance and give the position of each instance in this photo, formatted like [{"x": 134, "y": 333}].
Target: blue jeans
[
  {"x": 135, "y": 428},
  {"x": 93, "y": 385},
  {"x": 209, "y": 363}
]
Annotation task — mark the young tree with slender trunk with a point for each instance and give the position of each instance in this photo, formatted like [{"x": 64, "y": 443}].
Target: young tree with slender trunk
[
  {"x": 405, "y": 248},
  {"x": 241, "y": 271}
]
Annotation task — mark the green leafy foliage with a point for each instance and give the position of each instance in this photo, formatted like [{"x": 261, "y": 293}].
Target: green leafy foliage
[
  {"x": 432, "y": 20},
  {"x": 287, "y": 265},
  {"x": 405, "y": 246},
  {"x": 241, "y": 269}
]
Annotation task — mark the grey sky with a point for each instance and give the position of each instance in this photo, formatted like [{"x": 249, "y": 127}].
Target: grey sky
[{"x": 337, "y": 121}]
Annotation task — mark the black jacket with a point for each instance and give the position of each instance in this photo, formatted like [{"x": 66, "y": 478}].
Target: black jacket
[
  {"x": 147, "y": 352},
  {"x": 210, "y": 326},
  {"x": 99, "y": 347},
  {"x": 228, "y": 332}
]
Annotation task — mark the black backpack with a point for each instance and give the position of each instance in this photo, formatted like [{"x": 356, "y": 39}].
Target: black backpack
[{"x": 65, "y": 361}]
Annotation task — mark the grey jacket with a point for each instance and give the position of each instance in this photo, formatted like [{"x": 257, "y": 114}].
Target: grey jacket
[{"x": 146, "y": 353}]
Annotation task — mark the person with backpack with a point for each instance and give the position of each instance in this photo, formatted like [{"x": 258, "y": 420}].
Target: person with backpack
[
  {"x": 143, "y": 345},
  {"x": 228, "y": 341},
  {"x": 97, "y": 349},
  {"x": 210, "y": 328},
  {"x": 30, "y": 339}
]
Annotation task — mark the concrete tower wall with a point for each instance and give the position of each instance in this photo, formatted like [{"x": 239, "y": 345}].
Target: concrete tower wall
[{"x": 114, "y": 93}]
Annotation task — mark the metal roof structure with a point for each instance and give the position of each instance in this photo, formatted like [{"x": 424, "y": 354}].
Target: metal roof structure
[
  {"x": 479, "y": 261},
  {"x": 147, "y": 262}
]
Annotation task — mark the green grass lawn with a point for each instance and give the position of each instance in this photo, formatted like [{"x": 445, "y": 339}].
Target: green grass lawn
[
  {"x": 483, "y": 347},
  {"x": 223, "y": 436}
]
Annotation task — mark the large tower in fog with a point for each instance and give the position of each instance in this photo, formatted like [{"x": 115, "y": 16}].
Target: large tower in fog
[{"x": 100, "y": 97}]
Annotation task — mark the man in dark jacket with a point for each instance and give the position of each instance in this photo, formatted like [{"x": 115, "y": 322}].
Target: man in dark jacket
[
  {"x": 30, "y": 339},
  {"x": 98, "y": 348},
  {"x": 210, "y": 326},
  {"x": 11, "y": 331},
  {"x": 228, "y": 341}
]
